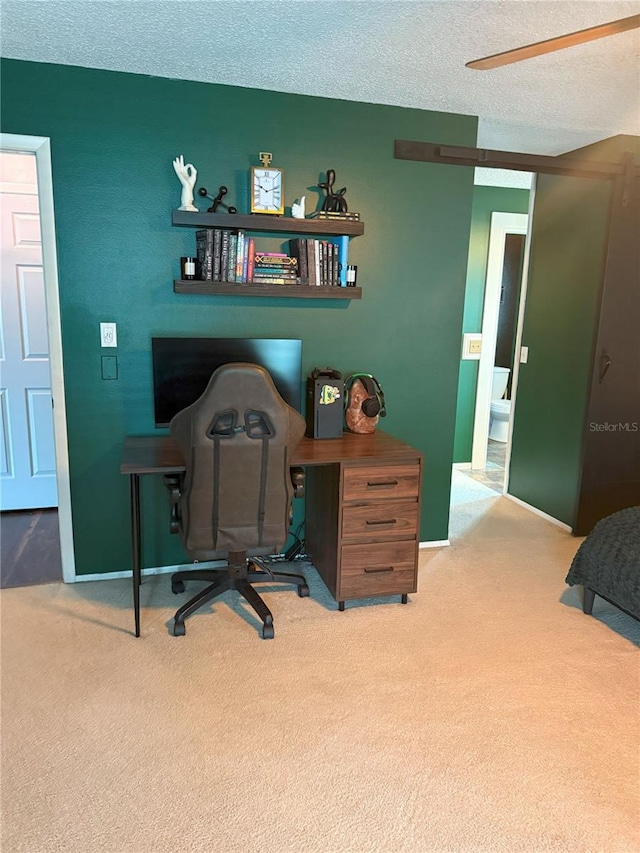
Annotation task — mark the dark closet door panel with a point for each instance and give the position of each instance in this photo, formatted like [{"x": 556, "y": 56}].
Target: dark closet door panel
[{"x": 611, "y": 461}]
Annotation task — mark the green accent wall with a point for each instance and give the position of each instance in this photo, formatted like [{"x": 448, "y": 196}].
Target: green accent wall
[
  {"x": 113, "y": 139},
  {"x": 486, "y": 200},
  {"x": 566, "y": 266}
]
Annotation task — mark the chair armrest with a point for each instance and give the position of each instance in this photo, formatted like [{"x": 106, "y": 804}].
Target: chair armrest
[
  {"x": 173, "y": 482},
  {"x": 298, "y": 478}
]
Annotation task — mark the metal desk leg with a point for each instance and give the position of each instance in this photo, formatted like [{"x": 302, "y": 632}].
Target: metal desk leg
[{"x": 135, "y": 547}]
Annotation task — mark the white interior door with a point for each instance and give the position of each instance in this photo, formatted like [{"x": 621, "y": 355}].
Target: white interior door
[{"x": 27, "y": 450}]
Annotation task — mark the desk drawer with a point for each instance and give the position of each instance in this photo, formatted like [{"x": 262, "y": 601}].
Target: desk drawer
[
  {"x": 380, "y": 520},
  {"x": 378, "y": 569},
  {"x": 381, "y": 482}
]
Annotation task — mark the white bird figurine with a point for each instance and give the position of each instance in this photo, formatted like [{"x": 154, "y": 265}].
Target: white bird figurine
[{"x": 297, "y": 209}]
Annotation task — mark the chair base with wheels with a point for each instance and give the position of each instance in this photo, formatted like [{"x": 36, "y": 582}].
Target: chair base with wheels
[
  {"x": 235, "y": 497},
  {"x": 240, "y": 574}
]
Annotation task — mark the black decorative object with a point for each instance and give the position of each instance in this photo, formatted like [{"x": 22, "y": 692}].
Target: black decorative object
[
  {"x": 217, "y": 201},
  {"x": 334, "y": 202}
]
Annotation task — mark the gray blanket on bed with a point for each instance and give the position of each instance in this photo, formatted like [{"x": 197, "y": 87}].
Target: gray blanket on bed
[{"x": 608, "y": 561}]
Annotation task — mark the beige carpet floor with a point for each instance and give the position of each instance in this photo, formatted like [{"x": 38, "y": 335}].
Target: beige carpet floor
[{"x": 488, "y": 714}]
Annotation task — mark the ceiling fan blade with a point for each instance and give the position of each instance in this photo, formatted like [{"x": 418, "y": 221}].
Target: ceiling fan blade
[{"x": 557, "y": 43}]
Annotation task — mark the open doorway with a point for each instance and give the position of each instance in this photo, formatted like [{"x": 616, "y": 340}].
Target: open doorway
[
  {"x": 495, "y": 390},
  {"x": 500, "y": 219},
  {"x": 36, "y": 535}
]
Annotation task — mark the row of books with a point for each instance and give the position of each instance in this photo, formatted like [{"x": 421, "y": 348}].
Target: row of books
[
  {"x": 224, "y": 255},
  {"x": 320, "y": 261},
  {"x": 228, "y": 255}
]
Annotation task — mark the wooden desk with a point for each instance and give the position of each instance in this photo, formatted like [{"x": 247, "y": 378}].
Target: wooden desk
[{"x": 362, "y": 509}]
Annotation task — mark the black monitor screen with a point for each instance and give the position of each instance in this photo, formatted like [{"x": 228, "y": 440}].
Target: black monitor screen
[{"x": 182, "y": 368}]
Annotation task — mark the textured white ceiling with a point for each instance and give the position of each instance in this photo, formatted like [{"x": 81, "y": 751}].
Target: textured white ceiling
[{"x": 405, "y": 52}]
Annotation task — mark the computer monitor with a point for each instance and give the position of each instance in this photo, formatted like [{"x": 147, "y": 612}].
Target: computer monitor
[{"x": 182, "y": 368}]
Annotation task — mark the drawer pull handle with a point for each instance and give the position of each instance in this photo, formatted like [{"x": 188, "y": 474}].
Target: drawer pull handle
[
  {"x": 381, "y": 484},
  {"x": 377, "y": 571},
  {"x": 388, "y": 521}
]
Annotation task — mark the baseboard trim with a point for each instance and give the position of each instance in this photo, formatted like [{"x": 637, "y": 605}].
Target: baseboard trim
[
  {"x": 210, "y": 564},
  {"x": 539, "y": 512},
  {"x": 158, "y": 570},
  {"x": 462, "y": 466}
]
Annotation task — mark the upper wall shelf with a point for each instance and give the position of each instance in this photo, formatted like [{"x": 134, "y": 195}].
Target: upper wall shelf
[{"x": 262, "y": 222}]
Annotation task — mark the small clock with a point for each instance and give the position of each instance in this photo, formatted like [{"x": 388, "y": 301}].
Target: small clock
[{"x": 266, "y": 187}]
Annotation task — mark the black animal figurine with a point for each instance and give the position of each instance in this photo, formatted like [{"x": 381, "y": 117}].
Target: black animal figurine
[
  {"x": 217, "y": 201},
  {"x": 334, "y": 202}
]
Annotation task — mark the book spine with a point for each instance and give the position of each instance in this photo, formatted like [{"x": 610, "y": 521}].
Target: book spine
[
  {"x": 311, "y": 260},
  {"x": 251, "y": 252},
  {"x": 245, "y": 259},
  {"x": 230, "y": 274},
  {"x": 224, "y": 254},
  {"x": 276, "y": 260},
  {"x": 217, "y": 247},
  {"x": 335, "y": 280},
  {"x": 265, "y": 266},
  {"x": 316, "y": 259},
  {"x": 258, "y": 273},
  {"x": 309, "y": 247},
  {"x": 305, "y": 251},
  {"x": 326, "y": 279},
  {"x": 274, "y": 280},
  {"x": 204, "y": 253},
  {"x": 343, "y": 260},
  {"x": 239, "y": 257}
]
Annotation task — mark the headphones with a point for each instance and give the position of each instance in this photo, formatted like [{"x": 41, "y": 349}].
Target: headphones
[{"x": 374, "y": 403}]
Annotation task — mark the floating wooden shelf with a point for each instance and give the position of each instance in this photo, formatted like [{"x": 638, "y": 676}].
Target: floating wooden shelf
[
  {"x": 263, "y": 222},
  {"x": 291, "y": 291}
]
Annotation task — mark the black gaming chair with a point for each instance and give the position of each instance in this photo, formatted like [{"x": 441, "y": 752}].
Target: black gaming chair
[{"x": 234, "y": 500}]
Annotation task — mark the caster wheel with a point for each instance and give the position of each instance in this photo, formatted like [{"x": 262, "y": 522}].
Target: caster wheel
[
  {"x": 303, "y": 590},
  {"x": 267, "y": 632},
  {"x": 177, "y": 587},
  {"x": 178, "y": 629}
]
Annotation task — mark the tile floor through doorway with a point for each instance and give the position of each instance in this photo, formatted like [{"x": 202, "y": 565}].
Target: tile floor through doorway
[{"x": 493, "y": 475}]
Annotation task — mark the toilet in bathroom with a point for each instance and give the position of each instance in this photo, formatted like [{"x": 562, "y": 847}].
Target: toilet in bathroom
[{"x": 500, "y": 409}]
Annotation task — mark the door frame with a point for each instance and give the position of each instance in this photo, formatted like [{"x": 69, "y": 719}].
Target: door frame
[
  {"x": 501, "y": 224},
  {"x": 41, "y": 147}
]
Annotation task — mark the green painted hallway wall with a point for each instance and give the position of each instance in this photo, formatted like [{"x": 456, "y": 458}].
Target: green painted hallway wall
[{"x": 113, "y": 139}]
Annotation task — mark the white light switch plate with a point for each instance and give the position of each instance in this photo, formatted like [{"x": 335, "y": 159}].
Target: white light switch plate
[
  {"x": 524, "y": 355},
  {"x": 471, "y": 346},
  {"x": 108, "y": 335}
]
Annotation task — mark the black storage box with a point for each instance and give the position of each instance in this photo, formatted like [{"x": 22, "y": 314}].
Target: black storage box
[{"x": 325, "y": 403}]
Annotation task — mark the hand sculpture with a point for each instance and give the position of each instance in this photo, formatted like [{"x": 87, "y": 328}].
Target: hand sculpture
[
  {"x": 187, "y": 175},
  {"x": 297, "y": 210}
]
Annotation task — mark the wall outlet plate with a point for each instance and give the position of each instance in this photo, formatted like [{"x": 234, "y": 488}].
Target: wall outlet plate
[{"x": 109, "y": 367}]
